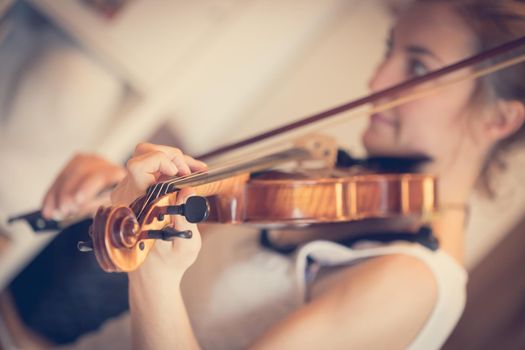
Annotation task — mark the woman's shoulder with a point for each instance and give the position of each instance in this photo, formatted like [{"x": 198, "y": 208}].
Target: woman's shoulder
[
  {"x": 391, "y": 296},
  {"x": 396, "y": 257},
  {"x": 403, "y": 280},
  {"x": 405, "y": 287}
]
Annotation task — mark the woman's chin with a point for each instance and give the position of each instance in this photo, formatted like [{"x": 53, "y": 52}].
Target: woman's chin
[
  {"x": 382, "y": 145},
  {"x": 376, "y": 144}
]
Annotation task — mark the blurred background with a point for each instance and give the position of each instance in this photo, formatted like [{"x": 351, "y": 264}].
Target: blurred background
[{"x": 101, "y": 76}]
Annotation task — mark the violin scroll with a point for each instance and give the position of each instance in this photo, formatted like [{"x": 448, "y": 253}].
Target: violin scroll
[
  {"x": 121, "y": 243},
  {"x": 115, "y": 238}
]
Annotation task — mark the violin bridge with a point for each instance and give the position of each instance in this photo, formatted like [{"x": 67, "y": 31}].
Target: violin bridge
[{"x": 322, "y": 150}]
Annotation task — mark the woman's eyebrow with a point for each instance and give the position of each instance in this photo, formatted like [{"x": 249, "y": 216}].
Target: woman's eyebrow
[{"x": 419, "y": 50}]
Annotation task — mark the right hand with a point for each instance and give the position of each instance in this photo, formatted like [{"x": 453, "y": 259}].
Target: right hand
[{"x": 79, "y": 188}]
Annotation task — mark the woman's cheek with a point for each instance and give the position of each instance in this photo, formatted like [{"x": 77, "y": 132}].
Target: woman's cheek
[{"x": 421, "y": 135}]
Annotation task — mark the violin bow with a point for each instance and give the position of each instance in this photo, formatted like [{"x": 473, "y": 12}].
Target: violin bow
[{"x": 388, "y": 92}]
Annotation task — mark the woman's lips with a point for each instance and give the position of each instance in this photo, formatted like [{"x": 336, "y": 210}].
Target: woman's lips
[{"x": 380, "y": 118}]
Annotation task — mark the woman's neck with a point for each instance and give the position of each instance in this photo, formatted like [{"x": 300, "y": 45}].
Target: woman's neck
[
  {"x": 449, "y": 228},
  {"x": 457, "y": 179}
]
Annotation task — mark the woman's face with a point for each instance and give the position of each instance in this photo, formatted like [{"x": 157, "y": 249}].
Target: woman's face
[{"x": 426, "y": 37}]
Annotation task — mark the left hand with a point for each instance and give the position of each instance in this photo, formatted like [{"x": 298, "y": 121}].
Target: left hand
[
  {"x": 167, "y": 260},
  {"x": 149, "y": 164}
]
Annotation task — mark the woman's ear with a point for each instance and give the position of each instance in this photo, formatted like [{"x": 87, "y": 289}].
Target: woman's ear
[{"x": 509, "y": 117}]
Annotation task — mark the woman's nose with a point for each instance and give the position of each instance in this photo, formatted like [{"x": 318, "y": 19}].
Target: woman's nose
[{"x": 384, "y": 77}]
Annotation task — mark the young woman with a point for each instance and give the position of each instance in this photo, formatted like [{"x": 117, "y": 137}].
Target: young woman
[{"x": 396, "y": 295}]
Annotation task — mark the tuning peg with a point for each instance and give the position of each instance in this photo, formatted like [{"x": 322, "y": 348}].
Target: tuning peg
[
  {"x": 168, "y": 234},
  {"x": 85, "y": 247},
  {"x": 195, "y": 210}
]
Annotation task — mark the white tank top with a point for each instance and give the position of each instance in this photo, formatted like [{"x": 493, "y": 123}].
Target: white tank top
[{"x": 237, "y": 290}]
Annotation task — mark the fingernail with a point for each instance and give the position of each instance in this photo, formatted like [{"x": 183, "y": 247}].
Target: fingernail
[{"x": 57, "y": 215}]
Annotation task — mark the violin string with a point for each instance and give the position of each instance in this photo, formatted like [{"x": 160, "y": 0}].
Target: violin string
[
  {"x": 148, "y": 200},
  {"x": 269, "y": 160},
  {"x": 224, "y": 171},
  {"x": 222, "y": 167},
  {"x": 151, "y": 190},
  {"x": 211, "y": 170},
  {"x": 152, "y": 193}
]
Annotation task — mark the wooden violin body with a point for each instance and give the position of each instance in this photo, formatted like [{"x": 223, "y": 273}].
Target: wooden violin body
[{"x": 282, "y": 199}]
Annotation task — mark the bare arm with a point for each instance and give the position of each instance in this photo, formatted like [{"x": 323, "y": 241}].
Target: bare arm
[
  {"x": 382, "y": 303},
  {"x": 378, "y": 304},
  {"x": 158, "y": 314}
]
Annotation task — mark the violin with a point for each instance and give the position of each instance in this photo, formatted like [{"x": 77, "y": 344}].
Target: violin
[
  {"x": 248, "y": 189},
  {"x": 242, "y": 193}
]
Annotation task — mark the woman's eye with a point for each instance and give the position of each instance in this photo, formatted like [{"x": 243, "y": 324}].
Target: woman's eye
[{"x": 416, "y": 68}]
